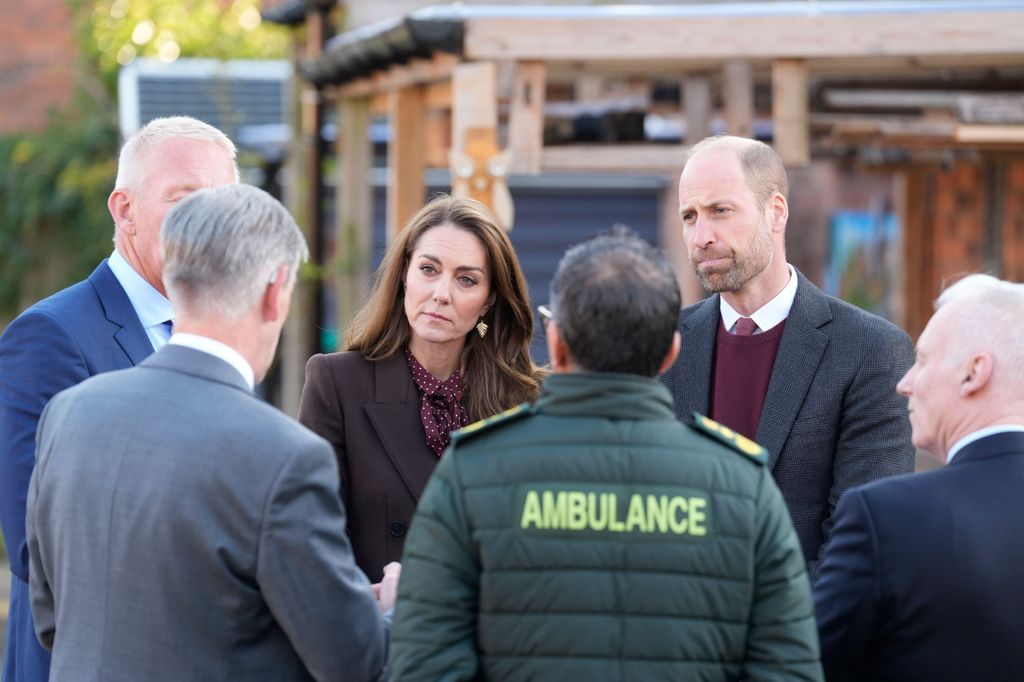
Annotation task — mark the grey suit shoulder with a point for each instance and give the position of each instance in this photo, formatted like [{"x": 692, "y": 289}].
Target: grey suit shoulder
[{"x": 205, "y": 522}]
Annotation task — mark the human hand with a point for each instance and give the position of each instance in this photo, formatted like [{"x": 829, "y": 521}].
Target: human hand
[{"x": 386, "y": 591}]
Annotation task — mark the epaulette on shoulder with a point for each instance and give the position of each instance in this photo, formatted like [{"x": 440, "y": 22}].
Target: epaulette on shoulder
[
  {"x": 508, "y": 416},
  {"x": 735, "y": 441}
]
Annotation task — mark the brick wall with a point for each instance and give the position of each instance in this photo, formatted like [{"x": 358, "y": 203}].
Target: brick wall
[{"x": 36, "y": 63}]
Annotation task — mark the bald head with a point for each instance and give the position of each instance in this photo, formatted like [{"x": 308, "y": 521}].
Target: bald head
[
  {"x": 968, "y": 373},
  {"x": 763, "y": 169},
  {"x": 984, "y": 314}
]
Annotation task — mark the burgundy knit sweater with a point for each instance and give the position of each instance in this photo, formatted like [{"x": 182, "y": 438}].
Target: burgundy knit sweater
[{"x": 739, "y": 378}]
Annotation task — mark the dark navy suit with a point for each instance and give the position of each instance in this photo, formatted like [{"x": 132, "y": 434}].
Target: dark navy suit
[
  {"x": 86, "y": 329},
  {"x": 924, "y": 576}
]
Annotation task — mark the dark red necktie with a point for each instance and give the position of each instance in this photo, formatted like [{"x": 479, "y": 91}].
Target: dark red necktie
[{"x": 744, "y": 326}]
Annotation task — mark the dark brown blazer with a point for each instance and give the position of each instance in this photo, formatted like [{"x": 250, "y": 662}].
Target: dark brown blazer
[{"x": 370, "y": 413}]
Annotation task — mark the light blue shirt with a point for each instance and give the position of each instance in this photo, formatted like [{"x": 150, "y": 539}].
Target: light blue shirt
[
  {"x": 979, "y": 434},
  {"x": 150, "y": 305}
]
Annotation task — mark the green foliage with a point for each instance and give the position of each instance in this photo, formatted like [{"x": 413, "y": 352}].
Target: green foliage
[
  {"x": 53, "y": 188},
  {"x": 54, "y": 225},
  {"x": 114, "y": 32}
]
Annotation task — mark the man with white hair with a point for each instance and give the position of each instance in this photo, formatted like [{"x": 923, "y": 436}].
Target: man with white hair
[
  {"x": 112, "y": 320},
  {"x": 922, "y": 578},
  {"x": 179, "y": 527}
]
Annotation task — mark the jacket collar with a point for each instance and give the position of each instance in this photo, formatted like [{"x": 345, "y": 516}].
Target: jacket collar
[
  {"x": 393, "y": 381},
  {"x": 118, "y": 309},
  {"x": 394, "y": 415},
  {"x": 198, "y": 364},
  {"x": 623, "y": 396},
  {"x": 800, "y": 352},
  {"x": 996, "y": 445}
]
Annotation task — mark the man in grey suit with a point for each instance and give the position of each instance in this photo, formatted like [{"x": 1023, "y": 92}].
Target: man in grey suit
[
  {"x": 180, "y": 528},
  {"x": 807, "y": 376}
]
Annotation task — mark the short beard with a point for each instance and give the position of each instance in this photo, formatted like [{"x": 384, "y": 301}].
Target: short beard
[{"x": 746, "y": 265}]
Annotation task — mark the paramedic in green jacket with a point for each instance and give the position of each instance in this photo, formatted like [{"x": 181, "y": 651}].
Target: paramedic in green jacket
[{"x": 592, "y": 536}]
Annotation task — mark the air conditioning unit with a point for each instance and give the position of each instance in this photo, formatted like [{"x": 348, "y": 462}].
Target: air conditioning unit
[{"x": 247, "y": 99}]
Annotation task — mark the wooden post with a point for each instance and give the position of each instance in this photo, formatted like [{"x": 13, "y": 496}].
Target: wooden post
[
  {"x": 354, "y": 199},
  {"x": 670, "y": 238},
  {"x": 299, "y": 336},
  {"x": 738, "y": 86},
  {"x": 526, "y": 119},
  {"x": 696, "y": 91},
  {"x": 474, "y": 100},
  {"x": 790, "y": 111},
  {"x": 475, "y": 157},
  {"x": 406, "y": 157}
]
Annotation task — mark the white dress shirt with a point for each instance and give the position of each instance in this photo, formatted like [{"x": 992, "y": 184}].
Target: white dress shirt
[
  {"x": 150, "y": 305},
  {"x": 770, "y": 314},
  {"x": 218, "y": 350},
  {"x": 979, "y": 434}
]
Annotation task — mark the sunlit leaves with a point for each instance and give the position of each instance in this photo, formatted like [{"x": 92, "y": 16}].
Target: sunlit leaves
[{"x": 115, "y": 32}]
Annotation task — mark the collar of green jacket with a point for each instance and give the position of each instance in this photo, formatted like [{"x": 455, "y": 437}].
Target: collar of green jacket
[{"x": 599, "y": 394}]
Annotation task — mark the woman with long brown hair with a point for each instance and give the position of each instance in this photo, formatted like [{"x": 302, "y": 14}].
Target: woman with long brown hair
[{"x": 443, "y": 340}]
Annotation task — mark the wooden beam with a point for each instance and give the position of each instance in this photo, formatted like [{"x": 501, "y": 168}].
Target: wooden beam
[
  {"x": 738, "y": 94},
  {"x": 613, "y": 158},
  {"x": 980, "y": 133},
  {"x": 380, "y": 104},
  {"x": 670, "y": 238},
  {"x": 438, "y": 95},
  {"x": 526, "y": 118},
  {"x": 356, "y": 89},
  {"x": 474, "y": 99},
  {"x": 437, "y": 137},
  {"x": 790, "y": 109},
  {"x": 416, "y": 72},
  {"x": 639, "y": 36},
  {"x": 696, "y": 91},
  {"x": 406, "y": 189},
  {"x": 475, "y": 139},
  {"x": 353, "y": 244}
]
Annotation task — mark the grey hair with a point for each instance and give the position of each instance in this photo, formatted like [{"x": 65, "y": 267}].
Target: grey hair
[
  {"x": 762, "y": 167},
  {"x": 160, "y": 130},
  {"x": 221, "y": 247},
  {"x": 991, "y": 313}
]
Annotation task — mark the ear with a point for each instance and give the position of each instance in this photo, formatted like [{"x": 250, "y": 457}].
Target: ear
[
  {"x": 977, "y": 372},
  {"x": 673, "y": 353},
  {"x": 558, "y": 352},
  {"x": 778, "y": 212},
  {"x": 120, "y": 206},
  {"x": 270, "y": 304}
]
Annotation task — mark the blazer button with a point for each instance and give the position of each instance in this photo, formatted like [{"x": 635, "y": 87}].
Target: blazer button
[{"x": 398, "y": 529}]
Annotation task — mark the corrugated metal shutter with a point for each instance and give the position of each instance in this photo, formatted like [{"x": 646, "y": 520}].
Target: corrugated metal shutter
[{"x": 552, "y": 214}]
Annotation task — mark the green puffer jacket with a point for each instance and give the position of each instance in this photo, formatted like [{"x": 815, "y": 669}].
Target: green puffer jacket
[{"x": 594, "y": 537}]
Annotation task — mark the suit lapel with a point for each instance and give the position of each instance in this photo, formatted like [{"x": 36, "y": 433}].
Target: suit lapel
[
  {"x": 693, "y": 388},
  {"x": 118, "y": 308},
  {"x": 395, "y": 416},
  {"x": 800, "y": 351}
]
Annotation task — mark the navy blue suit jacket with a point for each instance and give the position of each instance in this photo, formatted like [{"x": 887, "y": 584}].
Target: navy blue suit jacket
[
  {"x": 924, "y": 575},
  {"x": 88, "y": 328}
]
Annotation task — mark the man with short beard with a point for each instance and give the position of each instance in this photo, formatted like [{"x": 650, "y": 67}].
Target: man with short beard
[{"x": 769, "y": 355}]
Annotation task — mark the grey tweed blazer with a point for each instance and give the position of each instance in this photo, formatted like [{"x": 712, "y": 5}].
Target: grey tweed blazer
[
  {"x": 831, "y": 418},
  {"x": 181, "y": 529}
]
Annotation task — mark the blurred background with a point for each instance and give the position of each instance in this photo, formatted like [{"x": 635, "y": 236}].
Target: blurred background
[{"x": 901, "y": 123}]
